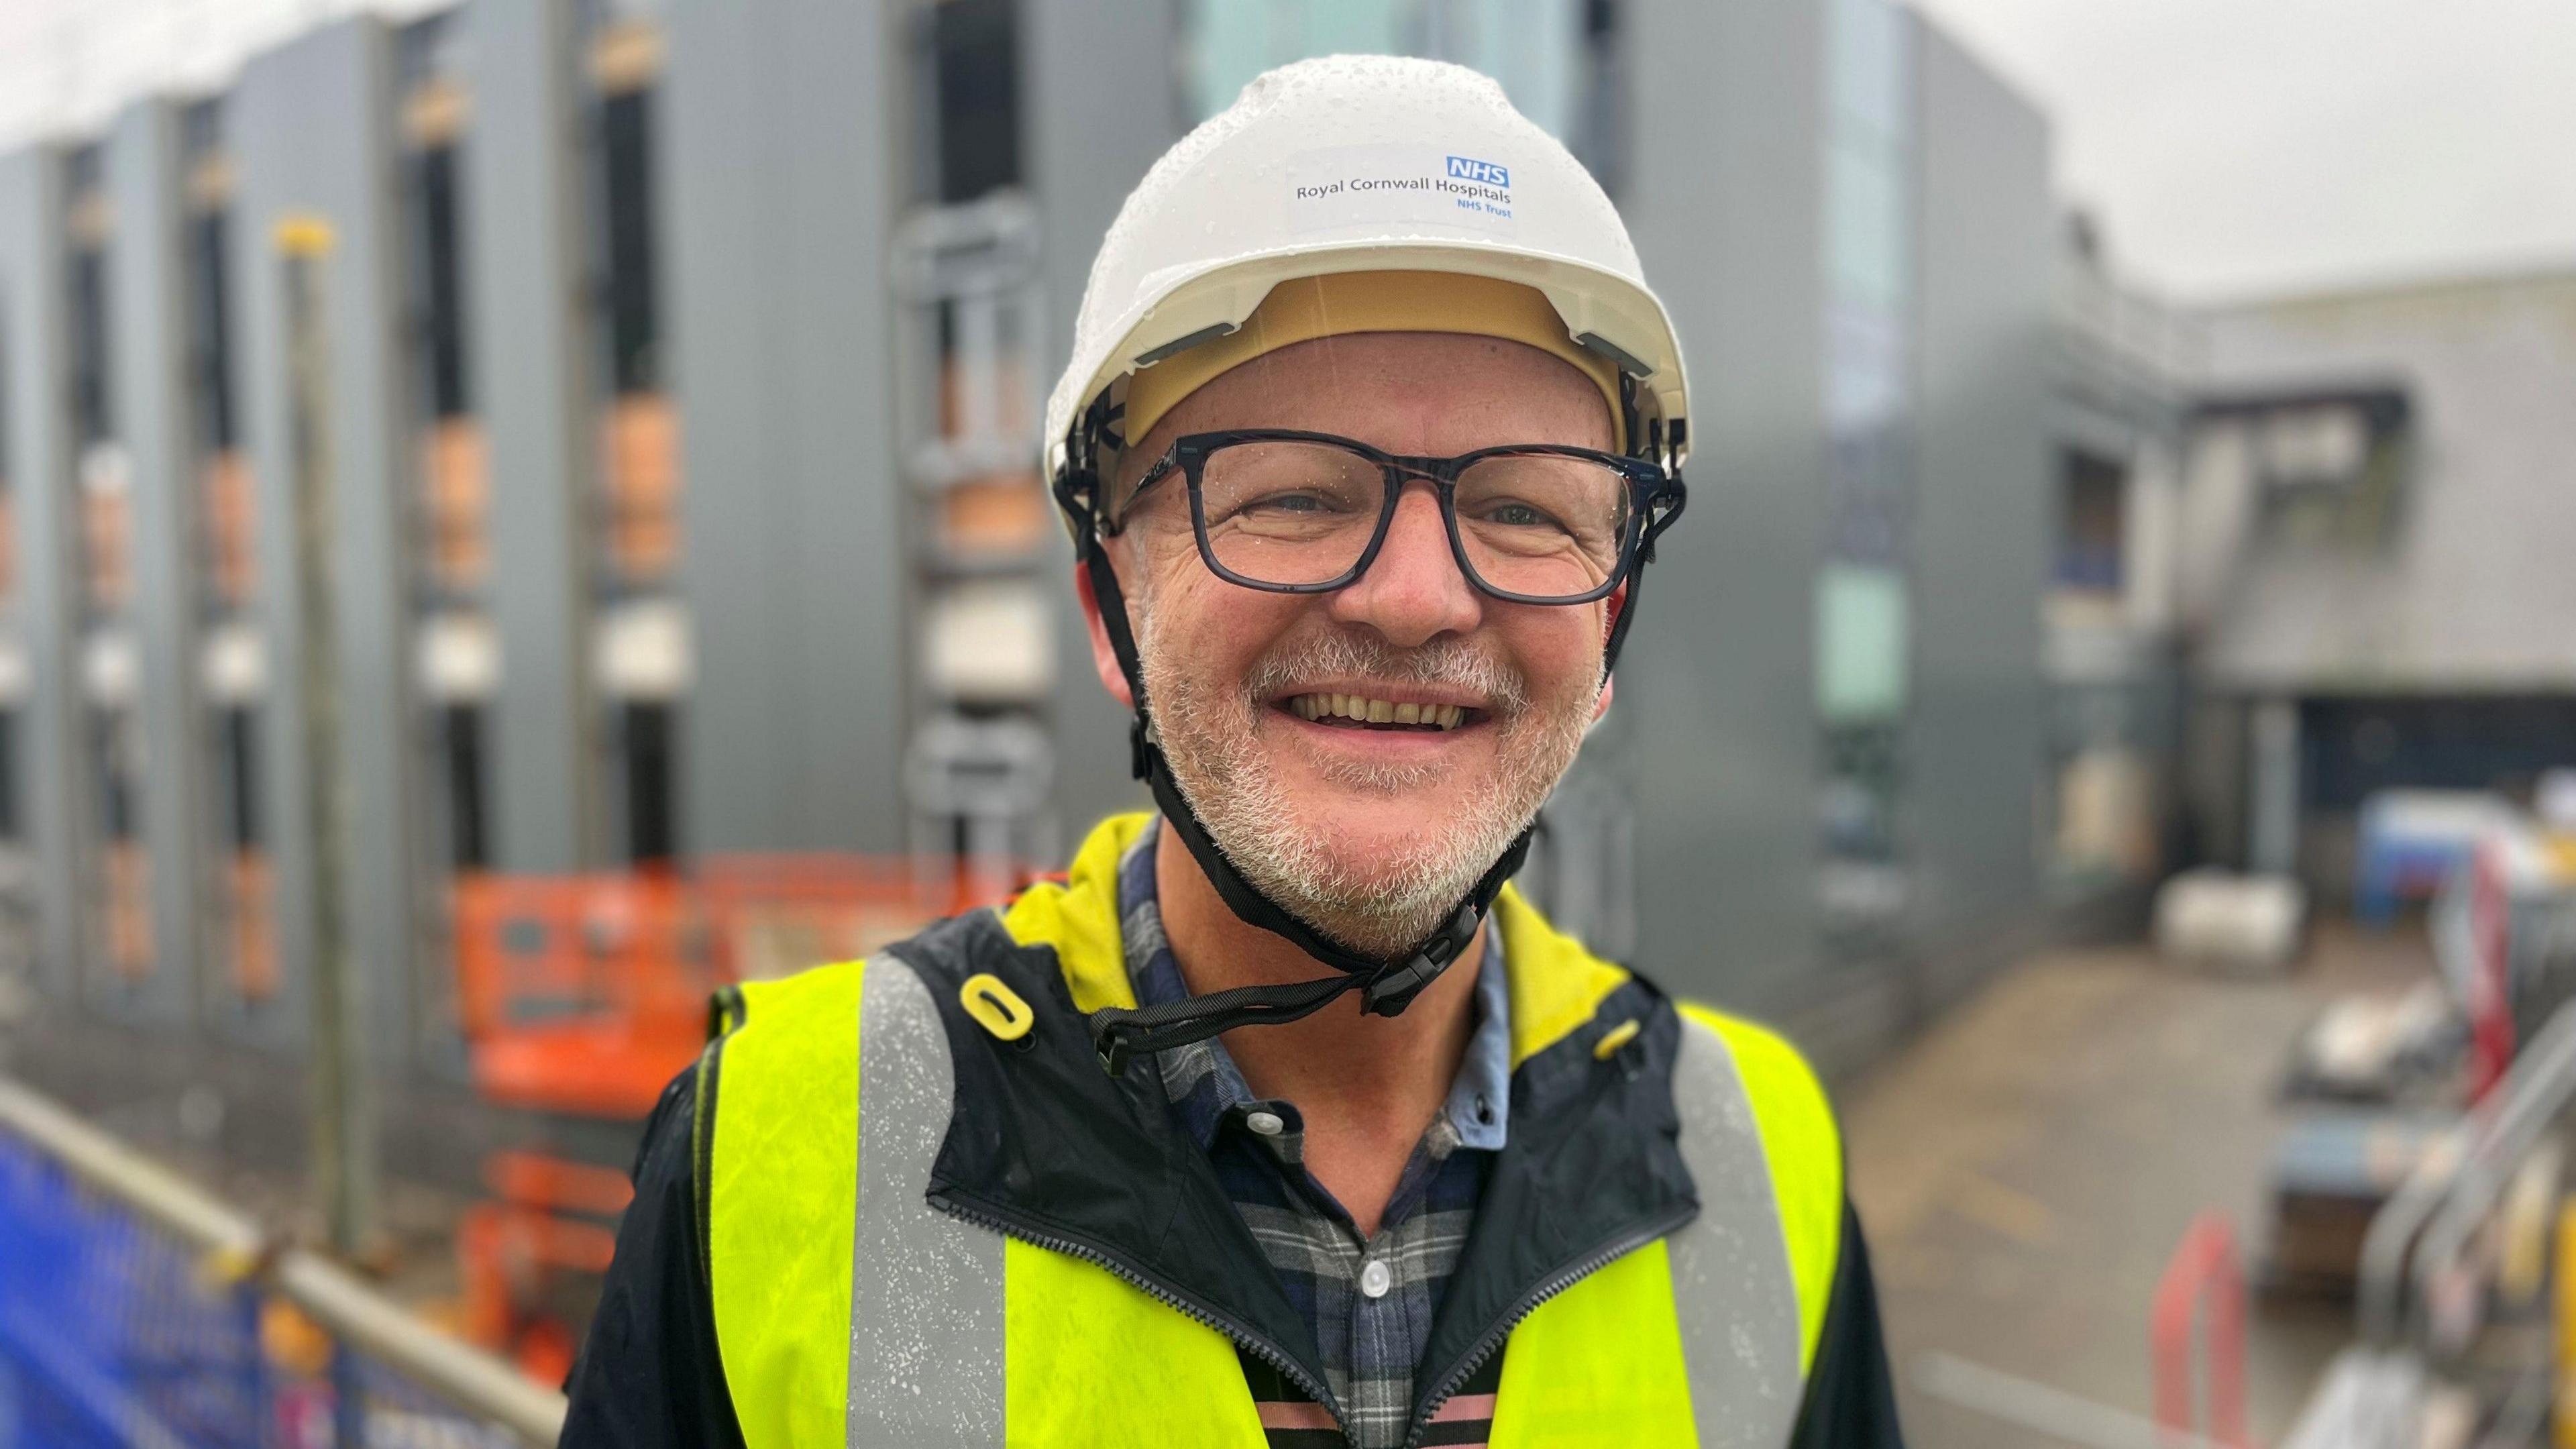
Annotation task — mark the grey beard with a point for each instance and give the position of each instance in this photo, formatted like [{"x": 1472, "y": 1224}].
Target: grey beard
[{"x": 1208, "y": 737}]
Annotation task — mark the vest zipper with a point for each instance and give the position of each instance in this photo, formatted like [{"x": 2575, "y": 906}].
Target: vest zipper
[
  {"x": 1582, "y": 1268},
  {"x": 1260, "y": 1347}
]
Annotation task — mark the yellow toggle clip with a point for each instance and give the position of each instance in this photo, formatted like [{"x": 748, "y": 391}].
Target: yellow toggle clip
[
  {"x": 995, "y": 1007},
  {"x": 1615, "y": 1038}
]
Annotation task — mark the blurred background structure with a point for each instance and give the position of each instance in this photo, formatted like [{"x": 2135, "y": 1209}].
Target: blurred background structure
[
  {"x": 686, "y": 605},
  {"x": 682, "y": 370}
]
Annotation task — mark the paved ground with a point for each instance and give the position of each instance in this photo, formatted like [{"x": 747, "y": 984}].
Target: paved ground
[{"x": 2026, "y": 1169}]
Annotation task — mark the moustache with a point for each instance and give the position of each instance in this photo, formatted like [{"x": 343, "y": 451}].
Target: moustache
[{"x": 1448, "y": 663}]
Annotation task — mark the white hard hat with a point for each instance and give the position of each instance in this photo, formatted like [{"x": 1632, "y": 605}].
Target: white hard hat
[{"x": 1363, "y": 163}]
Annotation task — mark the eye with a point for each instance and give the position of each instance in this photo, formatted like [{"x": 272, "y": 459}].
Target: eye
[
  {"x": 1290, "y": 503},
  {"x": 1517, "y": 515},
  {"x": 1285, "y": 505}
]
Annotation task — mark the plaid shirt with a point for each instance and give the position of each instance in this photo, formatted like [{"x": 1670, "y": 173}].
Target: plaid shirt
[{"x": 1370, "y": 1300}]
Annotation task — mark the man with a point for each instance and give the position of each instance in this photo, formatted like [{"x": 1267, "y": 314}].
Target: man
[{"x": 1281, "y": 1118}]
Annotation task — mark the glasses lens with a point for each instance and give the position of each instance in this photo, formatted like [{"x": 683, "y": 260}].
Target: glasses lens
[
  {"x": 1542, "y": 525},
  {"x": 1289, "y": 513}
]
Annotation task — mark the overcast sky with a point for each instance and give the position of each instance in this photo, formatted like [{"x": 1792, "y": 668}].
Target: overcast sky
[
  {"x": 2229, "y": 146},
  {"x": 2242, "y": 146}
]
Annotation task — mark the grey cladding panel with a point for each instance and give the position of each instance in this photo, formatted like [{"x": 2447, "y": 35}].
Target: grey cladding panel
[
  {"x": 781, "y": 119},
  {"x": 38, "y": 471},
  {"x": 149, "y": 348},
  {"x": 1725, "y": 208},
  {"x": 1982, "y": 536},
  {"x": 262, "y": 124},
  {"x": 533, "y": 389}
]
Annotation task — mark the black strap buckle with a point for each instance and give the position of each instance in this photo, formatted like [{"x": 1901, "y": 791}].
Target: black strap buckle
[
  {"x": 1391, "y": 990},
  {"x": 1116, "y": 1043}
]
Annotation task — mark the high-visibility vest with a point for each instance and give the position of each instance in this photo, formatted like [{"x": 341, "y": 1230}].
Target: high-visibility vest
[{"x": 852, "y": 1310}]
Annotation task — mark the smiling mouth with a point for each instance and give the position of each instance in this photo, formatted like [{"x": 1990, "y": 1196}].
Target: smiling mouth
[{"x": 1355, "y": 711}]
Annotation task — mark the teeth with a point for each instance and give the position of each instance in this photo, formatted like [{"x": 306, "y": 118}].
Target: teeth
[{"x": 1375, "y": 711}]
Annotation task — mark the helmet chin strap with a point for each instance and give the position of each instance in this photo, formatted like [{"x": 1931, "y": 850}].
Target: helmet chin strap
[{"x": 1386, "y": 985}]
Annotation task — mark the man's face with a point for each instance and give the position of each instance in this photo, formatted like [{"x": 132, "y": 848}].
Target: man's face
[{"x": 1370, "y": 832}]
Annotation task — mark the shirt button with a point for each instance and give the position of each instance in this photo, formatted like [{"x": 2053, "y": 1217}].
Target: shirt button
[
  {"x": 1265, "y": 1123},
  {"x": 1376, "y": 1278}
]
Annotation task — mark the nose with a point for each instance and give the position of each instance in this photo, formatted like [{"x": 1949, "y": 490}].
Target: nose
[{"x": 1413, "y": 592}]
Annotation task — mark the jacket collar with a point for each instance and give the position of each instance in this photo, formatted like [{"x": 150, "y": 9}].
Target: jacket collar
[{"x": 1556, "y": 985}]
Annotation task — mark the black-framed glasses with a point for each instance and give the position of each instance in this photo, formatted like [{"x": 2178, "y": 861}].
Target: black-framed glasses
[{"x": 1295, "y": 512}]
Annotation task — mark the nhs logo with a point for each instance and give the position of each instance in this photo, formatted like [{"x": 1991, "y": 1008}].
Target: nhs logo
[{"x": 1484, "y": 173}]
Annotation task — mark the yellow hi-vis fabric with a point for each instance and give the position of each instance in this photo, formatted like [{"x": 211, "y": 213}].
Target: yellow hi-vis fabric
[
  {"x": 780, "y": 1188},
  {"x": 1091, "y": 1360},
  {"x": 850, "y": 1312}
]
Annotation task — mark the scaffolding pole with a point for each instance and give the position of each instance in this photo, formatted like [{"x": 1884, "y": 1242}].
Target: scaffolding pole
[{"x": 344, "y": 1136}]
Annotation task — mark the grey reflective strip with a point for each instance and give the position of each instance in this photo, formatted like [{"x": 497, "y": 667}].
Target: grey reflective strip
[
  {"x": 1731, "y": 1283},
  {"x": 925, "y": 1288}
]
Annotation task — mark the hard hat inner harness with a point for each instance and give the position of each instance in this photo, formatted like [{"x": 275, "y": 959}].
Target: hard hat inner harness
[{"x": 1387, "y": 986}]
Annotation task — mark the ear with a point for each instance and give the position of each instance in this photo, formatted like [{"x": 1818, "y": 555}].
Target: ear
[{"x": 1104, "y": 658}]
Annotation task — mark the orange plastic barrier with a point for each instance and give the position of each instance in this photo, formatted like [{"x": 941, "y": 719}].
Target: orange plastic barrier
[
  {"x": 583, "y": 994},
  {"x": 579, "y": 994},
  {"x": 512, "y": 1249},
  {"x": 533, "y": 1179}
]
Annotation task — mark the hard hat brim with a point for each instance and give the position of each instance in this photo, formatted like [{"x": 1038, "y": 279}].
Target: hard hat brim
[{"x": 1602, "y": 309}]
